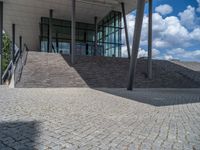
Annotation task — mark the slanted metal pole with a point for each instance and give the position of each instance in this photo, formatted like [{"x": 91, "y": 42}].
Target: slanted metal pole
[
  {"x": 50, "y": 31},
  {"x": 13, "y": 43},
  {"x": 20, "y": 45},
  {"x": 1, "y": 41},
  {"x": 73, "y": 31},
  {"x": 150, "y": 40},
  {"x": 136, "y": 42},
  {"x": 126, "y": 30},
  {"x": 95, "y": 37}
]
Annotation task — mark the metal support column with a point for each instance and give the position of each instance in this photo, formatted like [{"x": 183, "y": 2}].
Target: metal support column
[
  {"x": 50, "y": 30},
  {"x": 95, "y": 37},
  {"x": 115, "y": 38},
  {"x": 150, "y": 40},
  {"x": 1, "y": 41},
  {"x": 40, "y": 26},
  {"x": 126, "y": 30},
  {"x": 136, "y": 42},
  {"x": 103, "y": 39},
  {"x": 13, "y": 43},
  {"x": 73, "y": 31},
  {"x": 20, "y": 45}
]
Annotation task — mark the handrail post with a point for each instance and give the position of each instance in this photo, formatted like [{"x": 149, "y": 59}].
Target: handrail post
[
  {"x": 13, "y": 43},
  {"x": 20, "y": 45}
]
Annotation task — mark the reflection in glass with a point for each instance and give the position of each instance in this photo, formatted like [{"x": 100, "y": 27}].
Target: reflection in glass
[{"x": 109, "y": 36}]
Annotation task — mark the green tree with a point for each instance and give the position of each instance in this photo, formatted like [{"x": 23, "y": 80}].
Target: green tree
[{"x": 6, "y": 51}]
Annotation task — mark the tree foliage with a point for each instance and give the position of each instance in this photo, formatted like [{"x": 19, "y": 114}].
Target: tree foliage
[{"x": 6, "y": 51}]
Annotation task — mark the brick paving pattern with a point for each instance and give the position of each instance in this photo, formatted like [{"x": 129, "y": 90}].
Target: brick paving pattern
[
  {"x": 107, "y": 119},
  {"x": 54, "y": 70}
]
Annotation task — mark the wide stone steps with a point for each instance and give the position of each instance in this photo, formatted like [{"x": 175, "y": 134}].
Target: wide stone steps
[
  {"x": 49, "y": 70},
  {"x": 54, "y": 70}
]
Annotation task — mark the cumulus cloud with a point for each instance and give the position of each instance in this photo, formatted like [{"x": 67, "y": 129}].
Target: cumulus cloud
[
  {"x": 168, "y": 57},
  {"x": 183, "y": 54},
  {"x": 164, "y": 9},
  {"x": 198, "y": 9},
  {"x": 170, "y": 33},
  {"x": 187, "y": 17},
  {"x": 144, "y": 53},
  {"x": 141, "y": 52},
  {"x": 195, "y": 34}
]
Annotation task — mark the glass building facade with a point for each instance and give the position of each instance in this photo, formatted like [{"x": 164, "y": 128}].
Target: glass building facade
[{"x": 109, "y": 36}]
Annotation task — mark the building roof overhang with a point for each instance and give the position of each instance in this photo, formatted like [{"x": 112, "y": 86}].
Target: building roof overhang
[{"x": 26, "y": 14}]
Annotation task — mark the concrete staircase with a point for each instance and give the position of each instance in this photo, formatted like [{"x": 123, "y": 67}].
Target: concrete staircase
[
  {"x": 54, "y": 70},
  {"x": 49, "y": 70}
]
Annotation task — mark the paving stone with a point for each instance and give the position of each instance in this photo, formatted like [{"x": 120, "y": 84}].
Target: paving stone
[
  {"x": 84, "y": 118},
  {"x": 43, "y": 70}
]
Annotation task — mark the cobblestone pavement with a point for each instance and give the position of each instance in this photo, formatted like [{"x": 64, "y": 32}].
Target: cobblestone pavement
[{"x": 76, "y": 118}]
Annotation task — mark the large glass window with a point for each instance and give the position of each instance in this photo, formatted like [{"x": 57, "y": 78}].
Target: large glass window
[
  {"x": 109, "y": 36},
  {"x": 61, "y": 34}
]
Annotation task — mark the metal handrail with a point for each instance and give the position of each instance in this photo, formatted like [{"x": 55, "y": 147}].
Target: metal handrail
[
  {"x": 53, "y": 48},
  {"x": 9, "y": 70},
  {"x": 20, "y": 57},
  {"x": 6, "y": 72},
  {"x": 26, "y": 49}
]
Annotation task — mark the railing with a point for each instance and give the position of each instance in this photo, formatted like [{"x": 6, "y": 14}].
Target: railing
[
  {"x": 13, "y": 72},
  {"x": 19, "y": 64},
  {"x": 53, "y": 48},
  {"x": 7, "y": 73},
  {"x": 81, "y": 49}
]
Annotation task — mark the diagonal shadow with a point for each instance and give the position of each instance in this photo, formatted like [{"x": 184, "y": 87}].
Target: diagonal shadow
[
  {"x": 18, "y": 135},
  {"x": 103, "y": 72},
  {"x": 157, "y": 97}
]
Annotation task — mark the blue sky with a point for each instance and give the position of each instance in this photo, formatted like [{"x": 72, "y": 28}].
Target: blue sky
[{"x": 176, "y": 30}]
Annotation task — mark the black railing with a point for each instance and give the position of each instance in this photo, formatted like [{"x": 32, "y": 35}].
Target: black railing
[
  {"x": 10, "y": 70},
  {"x": 19, "y": 64},
  {"x": 88, "y": 49},
  {"x": 53, "y": 48}
]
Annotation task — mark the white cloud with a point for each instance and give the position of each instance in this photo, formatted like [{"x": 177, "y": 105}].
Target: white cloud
[
  {"x": 187, "y": 17},
  {"x": 159, "y": 43},
  {"x": 144, "y": 53},
  {"x": 141, "y": 52},
  {"x": 164, "y": 9},
  {"x": 175, "y": 33},
  {"x": 168, "y": 57},
  {"x": 198, "y": 9},
  {"x": 124, "y": 51},
  {"x": 158, "y": 23},
  {"x": 183, "y": 54},
  {"x": 169, "y": 33},
  {"x": 195, "y": 34}
]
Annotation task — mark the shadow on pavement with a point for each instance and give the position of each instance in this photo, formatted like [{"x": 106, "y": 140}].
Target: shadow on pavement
[
  {"x": 18, "y": 135},
  {"x": 105, "y": 72},
  {"x": 157, "y": 97}
]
